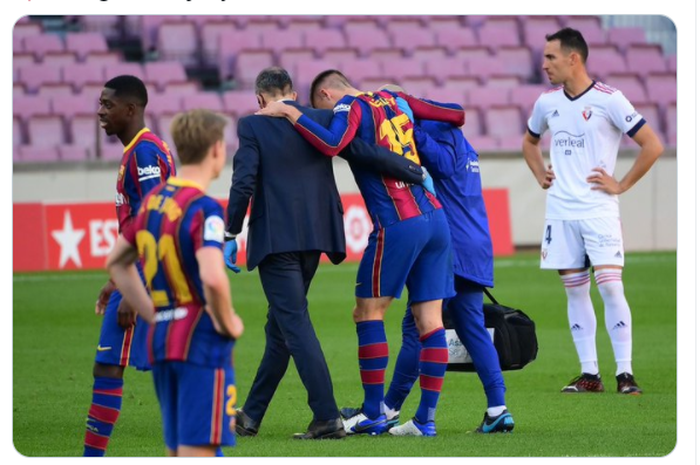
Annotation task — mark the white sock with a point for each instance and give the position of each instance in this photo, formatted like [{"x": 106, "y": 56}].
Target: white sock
[
  {"x": 618, "y": 318},
  {"x": 582, "y": 320},
  {"x": 389, "y": 412},
  {"x": 495, "y": 411}
]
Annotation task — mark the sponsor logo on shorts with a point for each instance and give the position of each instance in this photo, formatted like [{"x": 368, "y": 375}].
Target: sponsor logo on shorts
[
  {"x": 103, "y": 349},
  {"x": 173, "y": 314}
]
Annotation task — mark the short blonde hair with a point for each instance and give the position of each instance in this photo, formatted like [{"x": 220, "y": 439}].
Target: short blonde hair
[{"x": 195, "y": 132}]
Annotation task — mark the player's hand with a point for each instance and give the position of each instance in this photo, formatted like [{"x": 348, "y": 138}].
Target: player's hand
[
  {"x": 103, "y": 297},
  {"x": 237, "y": 329},
  {"x": 548, "y": 179},
  {"x": 230, "y": 255},
  {"x": 276, "y": 109},
  {"x": 126, "y": 316},
  {"x": 602, "y": 181}
]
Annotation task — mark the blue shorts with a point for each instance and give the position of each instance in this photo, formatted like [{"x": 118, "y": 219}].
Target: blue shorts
[
  {"x": 118, "y": 346},
  {"x": 197, "y": 404},
  {"x": 416, "y": 252}
]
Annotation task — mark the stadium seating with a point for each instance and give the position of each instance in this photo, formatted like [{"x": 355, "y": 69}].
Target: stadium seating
[
  {"x": 162, "y": 73},
  {"x": 17, "y": 133},
  {"x": 645, "y": 59},
  {"x": 83, "y": 43},
  {"x": 503, "y": 121},
  {"x": 604, "y": 60},
  {"x": 663, "y": 88},
  {"x": 33, "y": 76},
  {"x": 623, "y": 37},
  {"x": 36, "y": 154},
  {"x": 60, "y": 59},
  {"x": 240, "y": 103},
  {"x": 73, "y": 153},
  {"x": 630, "y": 85},
  {"x": 491, "y": 64},
  {"x": 42, "y": 44},
  {"x": 83, "y": 73}
]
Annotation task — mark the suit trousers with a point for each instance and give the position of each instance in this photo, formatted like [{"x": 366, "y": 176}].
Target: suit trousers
[{"x": 285, "y": 279}]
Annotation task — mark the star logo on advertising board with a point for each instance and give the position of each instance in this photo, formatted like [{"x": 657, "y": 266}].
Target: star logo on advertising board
[{"x": 69, "y": 240}]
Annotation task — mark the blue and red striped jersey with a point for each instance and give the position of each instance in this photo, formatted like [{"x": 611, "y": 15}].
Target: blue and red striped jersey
[
  {"x": 175, "y": 220},
  {"x": 376, "y": 119},
  {"x": 146, "y": 163}
]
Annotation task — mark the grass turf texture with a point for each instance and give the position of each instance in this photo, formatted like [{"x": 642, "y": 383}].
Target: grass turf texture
[{"x": 55, "y": 333}]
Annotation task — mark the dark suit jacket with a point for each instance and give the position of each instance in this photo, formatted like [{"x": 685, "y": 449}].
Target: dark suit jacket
[{"x": 295, "y": 202}]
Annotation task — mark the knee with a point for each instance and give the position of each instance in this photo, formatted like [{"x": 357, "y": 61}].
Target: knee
[{"x": 101, "y": 370}]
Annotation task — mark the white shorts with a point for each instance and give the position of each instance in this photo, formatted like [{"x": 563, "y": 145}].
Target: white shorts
[{"x": 572, "y": 244}]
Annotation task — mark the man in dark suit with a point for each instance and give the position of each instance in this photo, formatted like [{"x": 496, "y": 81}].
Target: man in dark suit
[{"x": 296, "y": 215}]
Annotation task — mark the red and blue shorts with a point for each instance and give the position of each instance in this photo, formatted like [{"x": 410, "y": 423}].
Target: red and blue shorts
[
  {"x": 119, "y": 346},
  {"x": 416, "y": 252},
  {"x": 197, "y": 404}
]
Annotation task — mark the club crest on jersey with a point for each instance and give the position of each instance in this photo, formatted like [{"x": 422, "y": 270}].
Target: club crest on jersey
[{"x": 587, "y": 113}]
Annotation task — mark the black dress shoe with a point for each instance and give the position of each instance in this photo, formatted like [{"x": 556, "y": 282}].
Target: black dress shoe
[
  {"x": 245, "y": 426},
  {"x": 323, "y": 429}
]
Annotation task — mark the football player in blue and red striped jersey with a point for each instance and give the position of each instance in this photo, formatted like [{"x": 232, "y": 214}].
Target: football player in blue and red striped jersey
[
  {"x": 146, "y": 162},
  {"x": 410, "y": 244},
  {"x": 179, "y": 236}
]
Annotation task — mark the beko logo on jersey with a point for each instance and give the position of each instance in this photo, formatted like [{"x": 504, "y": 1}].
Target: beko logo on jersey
[
  {"x": 149, "y": 171},
  {"x": 341, "y": 107},
  {"x": 629, "y": 118},
  {"x": 173, "y": 314}
]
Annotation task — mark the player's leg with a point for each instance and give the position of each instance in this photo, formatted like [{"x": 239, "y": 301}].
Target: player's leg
[
  {"x": 430, "y": 280},
  {"x": 467, "y": 312},
  {"x": 273, "y": 366},
  {"x": 117, "y": 348},
  {"x": 206, "y": 409},
  {"x": 373, "y": 355},
  {"x": 286, "y": 277},
  {"x": 380, "y": 279},
  {"x": 406, "y": 370},
  {"x": 604, "y": 241},
  {"x": 108, "y": 381},
  {"x": 563, "y": 249},
  {"x": 165, "y": 381}
]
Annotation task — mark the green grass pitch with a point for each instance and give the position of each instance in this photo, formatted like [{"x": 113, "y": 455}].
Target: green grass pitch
[{"x": 55, "y": 333}]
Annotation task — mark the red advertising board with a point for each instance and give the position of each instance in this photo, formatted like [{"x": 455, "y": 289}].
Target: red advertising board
[{"x": 81, "y": 235}]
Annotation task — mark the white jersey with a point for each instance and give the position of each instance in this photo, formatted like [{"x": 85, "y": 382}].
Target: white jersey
[{"x": 586, "y": 133}]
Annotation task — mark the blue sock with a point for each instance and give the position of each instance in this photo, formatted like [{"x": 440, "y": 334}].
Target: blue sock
[
  {"x": 373, "y": 353},
  {"x": 433, "y": 364},
  {"x": 219, "y": 452},
  {"x": 103, "y": 414},
  {"x": 406, "y": 369}
]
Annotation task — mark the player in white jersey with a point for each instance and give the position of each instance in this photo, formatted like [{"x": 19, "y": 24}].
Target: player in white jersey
[{"x": 587, "y": 120}]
